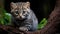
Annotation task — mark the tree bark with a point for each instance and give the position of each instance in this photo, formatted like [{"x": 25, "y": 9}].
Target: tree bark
[{"x": 11, "y": 29}]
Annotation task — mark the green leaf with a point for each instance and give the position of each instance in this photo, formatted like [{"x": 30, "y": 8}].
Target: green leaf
[
  {"x": 42, "y": 23},
  {"x": 5, "y": 18}
]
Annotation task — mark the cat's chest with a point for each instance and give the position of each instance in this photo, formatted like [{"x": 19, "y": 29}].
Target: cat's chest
[{"x": 21, "y": 23}]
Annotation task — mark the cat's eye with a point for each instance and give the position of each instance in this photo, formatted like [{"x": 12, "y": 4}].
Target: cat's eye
[{"x": 16, "y": 12}]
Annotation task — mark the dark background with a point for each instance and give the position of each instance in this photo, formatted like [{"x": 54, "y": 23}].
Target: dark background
[{"x": 37, "y": 6}]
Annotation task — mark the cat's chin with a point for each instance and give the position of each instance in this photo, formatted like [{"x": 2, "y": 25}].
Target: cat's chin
[{"x": 20, "y": 19}]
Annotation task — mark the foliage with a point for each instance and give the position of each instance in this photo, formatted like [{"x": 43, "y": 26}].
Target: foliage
[
  {"x": 42, "y": 23},
  {"x": 5, "y": 18}
]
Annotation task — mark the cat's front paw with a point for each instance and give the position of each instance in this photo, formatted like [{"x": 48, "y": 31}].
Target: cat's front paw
[{"x": 23, "y": 28}]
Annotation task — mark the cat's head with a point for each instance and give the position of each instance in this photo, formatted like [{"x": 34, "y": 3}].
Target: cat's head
[{"x": 20, "y": 10}]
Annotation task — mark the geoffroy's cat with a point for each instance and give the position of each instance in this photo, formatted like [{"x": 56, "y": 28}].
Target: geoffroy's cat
[{"x": 23, "y": 17}]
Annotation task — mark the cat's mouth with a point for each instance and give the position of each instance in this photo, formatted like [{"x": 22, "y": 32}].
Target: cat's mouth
[{"x": 20, "y": 18}]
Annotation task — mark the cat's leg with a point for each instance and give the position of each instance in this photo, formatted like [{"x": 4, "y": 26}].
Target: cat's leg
[
  {"x": 27, "y": 25},
  {"x": 23, "y": 29},
  {"x": 34, "y": 25}
]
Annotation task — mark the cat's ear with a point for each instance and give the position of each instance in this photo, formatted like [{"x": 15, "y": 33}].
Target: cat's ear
[
  {"x": 27, "y": 4},
  {"x": 13, "y": 5}
]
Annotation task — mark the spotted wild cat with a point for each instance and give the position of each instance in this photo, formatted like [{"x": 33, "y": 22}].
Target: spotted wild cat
[{"x": 23, "y": 16}]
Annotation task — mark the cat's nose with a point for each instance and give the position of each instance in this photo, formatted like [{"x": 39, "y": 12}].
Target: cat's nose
[
  {"x": 20, "y": 17},
  {"x": 20, "y": 14}
]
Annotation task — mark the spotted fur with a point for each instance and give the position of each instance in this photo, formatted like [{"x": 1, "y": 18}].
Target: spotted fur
[{"x": 23, "y": 16}]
